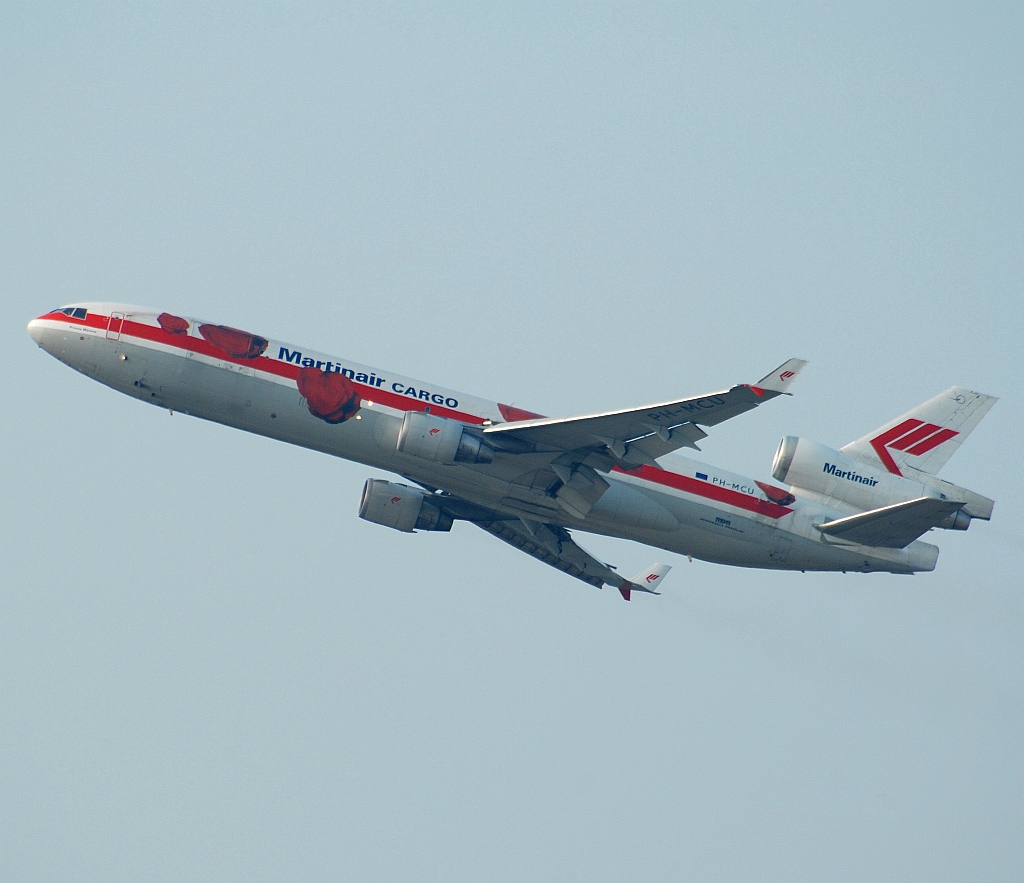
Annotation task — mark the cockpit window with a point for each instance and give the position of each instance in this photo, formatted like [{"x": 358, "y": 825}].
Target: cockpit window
[{"x": 73, "y": 312}]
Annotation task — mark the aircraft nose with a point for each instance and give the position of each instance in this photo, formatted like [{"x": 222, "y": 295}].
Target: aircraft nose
[
  {"x": 36, "y": 331},
  {"x": 46, "y": 336}
]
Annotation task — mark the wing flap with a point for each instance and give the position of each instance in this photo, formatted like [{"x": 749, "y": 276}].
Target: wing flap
[
  {"x": 639, "y": 435},
  {"x": 555, "y": 547},
  {"x": 892, "y": 527}
]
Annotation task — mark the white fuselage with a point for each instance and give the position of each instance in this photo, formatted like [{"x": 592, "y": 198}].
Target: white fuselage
[{"x": 252, "y": 383}]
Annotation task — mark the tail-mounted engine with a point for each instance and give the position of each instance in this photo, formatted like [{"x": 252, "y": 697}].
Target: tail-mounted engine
[
  {"x": 832, "y": 475},
  {"x": 441, "y": 440},
  {"x": 813, "y": 467},
  {"x": 401, "y": 507}
]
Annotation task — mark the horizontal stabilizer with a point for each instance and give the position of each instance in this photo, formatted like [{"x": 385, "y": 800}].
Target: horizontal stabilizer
[{"x": 892, "y": 527}]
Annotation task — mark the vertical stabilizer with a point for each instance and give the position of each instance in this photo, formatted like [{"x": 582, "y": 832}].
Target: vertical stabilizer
[{"x": 925, "y": 437}]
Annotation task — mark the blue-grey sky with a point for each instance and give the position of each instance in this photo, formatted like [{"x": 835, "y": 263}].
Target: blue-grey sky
[{"x": 212, "y": 669}]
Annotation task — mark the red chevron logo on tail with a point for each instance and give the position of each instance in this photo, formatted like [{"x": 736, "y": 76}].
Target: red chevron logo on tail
[{"x": 914, "y": 437}]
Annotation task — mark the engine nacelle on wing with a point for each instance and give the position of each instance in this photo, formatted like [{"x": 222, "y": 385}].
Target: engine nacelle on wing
[
  {"x": 821, "y": 470},
  {"x": 401, "y": 507},
  {"x": 441, "y": 440}
]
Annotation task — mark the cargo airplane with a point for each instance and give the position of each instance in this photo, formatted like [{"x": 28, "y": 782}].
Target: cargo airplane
[{"x": 529, "y": 480}]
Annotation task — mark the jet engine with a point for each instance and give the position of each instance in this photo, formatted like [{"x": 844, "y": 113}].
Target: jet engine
[
  {"x": 441, "y": 440},
  {"x": 828, "y": 473},
  {"x": 821, "y": 470},
  {"x": 401, "y": 507}
]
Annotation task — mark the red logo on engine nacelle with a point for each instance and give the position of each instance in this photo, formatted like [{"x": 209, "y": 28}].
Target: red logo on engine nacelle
[
  {"x": 396, "y": 499},
  {"x": 434, "y": 431}
]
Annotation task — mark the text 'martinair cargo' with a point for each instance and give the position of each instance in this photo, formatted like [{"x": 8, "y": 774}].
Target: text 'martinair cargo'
[{"x": 295, "y": 357}]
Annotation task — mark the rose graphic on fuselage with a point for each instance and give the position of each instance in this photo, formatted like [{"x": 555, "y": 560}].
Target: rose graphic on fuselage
[
  {"x": 172, "y": 324},
  {"x": 776, "y": 494},
  {"x": 329, "y": 395},
  {"x": 237, "y": 344}
]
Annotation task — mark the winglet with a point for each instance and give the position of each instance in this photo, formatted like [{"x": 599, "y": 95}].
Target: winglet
[
  {"x": 645, "y": 581},
  {"x": 780, "y": 379}
]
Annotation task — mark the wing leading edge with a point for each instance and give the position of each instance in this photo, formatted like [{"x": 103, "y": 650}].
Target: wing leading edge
[{"x": 637, "y": 436}]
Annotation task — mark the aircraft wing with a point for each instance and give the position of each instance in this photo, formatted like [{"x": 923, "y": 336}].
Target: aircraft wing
[
  {"x": 892, "y": 527},
  {"x": 555, "y": 547},
  {"x": 640, "y": 435}
]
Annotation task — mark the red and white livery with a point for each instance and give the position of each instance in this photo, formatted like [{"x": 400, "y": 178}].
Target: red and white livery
[{"x": 529, "y": 480}]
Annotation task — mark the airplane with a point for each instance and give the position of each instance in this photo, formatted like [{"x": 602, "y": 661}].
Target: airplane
[{"x": 531, "y": 480}]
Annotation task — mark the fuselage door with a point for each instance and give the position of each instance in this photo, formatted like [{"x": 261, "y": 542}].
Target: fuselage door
[
  {"x": 114, "y": 326},
  {"x": 194, "y": 339}
]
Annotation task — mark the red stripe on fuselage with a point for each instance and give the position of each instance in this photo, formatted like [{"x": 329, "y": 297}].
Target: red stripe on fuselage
[
  {"x": 91, "y": 320},
  {"x": 700, "y": 488},
  {"x": 268, "y": 365},
  {"x": 186, "y": 343}
]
